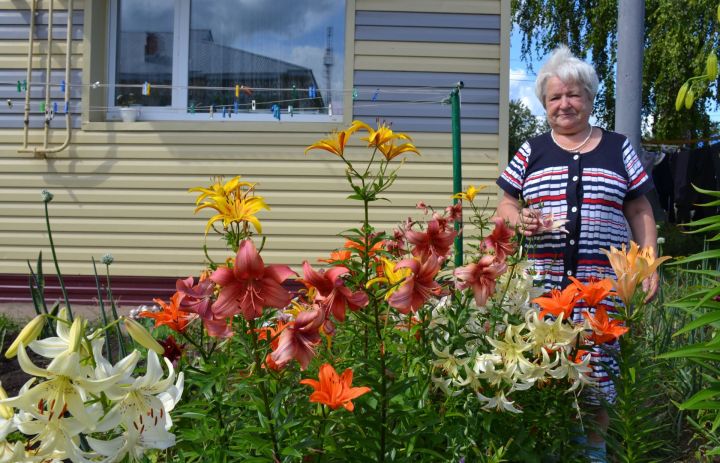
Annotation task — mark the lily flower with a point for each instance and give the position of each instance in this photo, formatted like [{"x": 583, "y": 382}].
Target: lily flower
[
  {"x": 336, "y": 142},
  {"x": 250, "y": 286},
  {"x": 298, "y": 339},
  {"x": 576, "y": 371},
  {"x": 499, "y": 402},
  {"x": 481, "y": 276},
  {"x": 141, "y": 336},
  {"x": 334, "y": 390},
  {"x": 390, "y": 150},
  {"x": 198, "y": 299},
  {"x": 604, "y": 328},
  {"x": 548, "y": 224},
  {"x": 594, "y": 291},
  {"x": 417, "y": 287},
  {"x": 233, "y": 202},
  {"x": 337, "y": 257},
  {"x": 558, "y": 302},
  {"x": 170, "y": 314},
  {"x": 437, "y": 240},
  {"x": 393, "y": 277},
  {"x": 359, "y": 247},
  {"x": 512, "y": 348},
  {"x": 500, "y": 240},
  {"x": 28, "y": 334},
  {"x": 631, "y": 267},
  {"x": 470, "y": 193},
  {"x": 332, "y": 294}
]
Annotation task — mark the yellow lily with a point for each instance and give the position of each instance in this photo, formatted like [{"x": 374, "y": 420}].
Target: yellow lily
[
  {"x": 337, "y": 140},
  {"x": 232, "y": 201},
  {"x": 632, "y": 266},
  {"x": 470, "y": 193},
  {"x": 219, "y": 190},
  {"x": 393, "y": 278}
]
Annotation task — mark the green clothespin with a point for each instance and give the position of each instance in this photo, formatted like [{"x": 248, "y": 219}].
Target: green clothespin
[
  {"x": 294, "y": 92},
  {"x": 24, "y": 85},
  {"x": 192, "y": 108},
  {"x": 354, "y": 94},
  {"x": 19, "y": 86},
  {"x": 42, "y": 106}
]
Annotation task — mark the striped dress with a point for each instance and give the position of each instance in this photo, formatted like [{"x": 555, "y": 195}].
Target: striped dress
[{"x": 588, "y": 190}]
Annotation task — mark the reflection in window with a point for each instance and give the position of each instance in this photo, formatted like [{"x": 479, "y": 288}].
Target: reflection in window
[
  {"x": 144, "y": 51},
  {"x": 289, "y": 52}
]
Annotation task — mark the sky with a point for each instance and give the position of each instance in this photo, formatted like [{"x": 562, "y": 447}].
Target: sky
[{"x": 522, "y": 80}]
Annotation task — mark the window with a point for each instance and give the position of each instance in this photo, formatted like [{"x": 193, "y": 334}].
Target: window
[{"x": 235, "y": 59}]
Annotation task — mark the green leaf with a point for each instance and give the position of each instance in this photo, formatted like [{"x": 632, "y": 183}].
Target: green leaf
[
  {"x": 699, "y": 397},
  {"x": 706, "y": 319},
  {"x": 711, "y": 254},
  {"x": 693, "y": 351}
]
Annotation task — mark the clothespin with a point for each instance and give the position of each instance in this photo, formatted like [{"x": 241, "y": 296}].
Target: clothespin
[
  {"x": 312, "y": 92},
  {"x": 62, "y": 86},
  {"x": 19, "y": 86},
  {"x": 51, "y": 115},
  {"x": 354, "y": 94},
  {"x": 212, "y": 111},
  {"x": 42, "y": 106},
  {"x": 290, "y": 110},
  {"x": 330, "y": 109},
  {"x": 55, "y": 107},
  {"x": 276, "y": 111},
  {"x": 293, "y": 92},
  {"x": 9, "y": 103},
  {"x": 252, "y": 105},
  {"x": 146, "y": 89},
  {"x": 237, "y": 91},
  {"x": 246, "y": 90},
  {"x": 235, "y": 107},
  {"x": 24, "y": 85},
  {"x": 375, "y": 95},
  {"x": 192, "y": 108},
  {"x": 224, "y": 112},
  {"x": 67, "y": 107},
  {"x": 95, "y": 84}
]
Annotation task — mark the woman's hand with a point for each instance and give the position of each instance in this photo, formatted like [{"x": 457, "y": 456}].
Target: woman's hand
[
  {"x": 650, "y": 286},
  {"x": 529, "y": 221}
]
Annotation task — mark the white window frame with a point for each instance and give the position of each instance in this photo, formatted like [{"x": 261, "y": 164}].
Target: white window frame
[{"x": 178, "y": 110}]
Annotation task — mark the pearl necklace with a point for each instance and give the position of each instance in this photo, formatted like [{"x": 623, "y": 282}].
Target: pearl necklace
[{"x": 575, "y": 149}]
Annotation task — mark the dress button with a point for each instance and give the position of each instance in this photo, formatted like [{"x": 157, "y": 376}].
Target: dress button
[
  {"x": 576, "y": 157},
  {"x": 572, "y": 242},
  {"x": 569, "y": 272},
  {"x": 574, "y": 209},
  {"x": 575, "y": 178}
]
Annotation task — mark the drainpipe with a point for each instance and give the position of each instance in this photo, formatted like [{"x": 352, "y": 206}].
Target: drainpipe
[{"x": 26, "y": 115}]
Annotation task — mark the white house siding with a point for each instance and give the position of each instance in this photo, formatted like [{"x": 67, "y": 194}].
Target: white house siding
[{"x": 122, "y": 188}]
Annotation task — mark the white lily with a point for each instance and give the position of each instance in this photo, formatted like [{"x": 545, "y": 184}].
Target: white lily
[
  {"x": 577, "y": 373},
  {"x": 52, "y": 347},
  {"x": 499, "y": 403},
  {"x": 513, "y": 347},
  {"x": 549, "y": 334}
]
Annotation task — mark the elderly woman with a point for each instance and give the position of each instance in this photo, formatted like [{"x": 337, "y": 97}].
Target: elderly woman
[{"x": 587, "y": 178}]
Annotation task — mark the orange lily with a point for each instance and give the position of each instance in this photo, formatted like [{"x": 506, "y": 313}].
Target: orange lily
[
  {"x": 604, "y": 328},
  {"x": 337, "y": 257},
  {"x": 170, "y": 314},
  {"x": 595, "y": 291},
  {"x": 558, "y": 302},
  {"x": 336, "y": 142},
  {"x": 632, "y": 266},
  {"x": 333, "y": 390},
  {"x": 360, "y": 247}
]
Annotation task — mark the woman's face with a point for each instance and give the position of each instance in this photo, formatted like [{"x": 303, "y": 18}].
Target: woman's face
[{"x": 568, "y": 106}]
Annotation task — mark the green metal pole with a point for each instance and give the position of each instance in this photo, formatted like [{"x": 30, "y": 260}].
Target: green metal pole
[{"x": 457, "y": 166}]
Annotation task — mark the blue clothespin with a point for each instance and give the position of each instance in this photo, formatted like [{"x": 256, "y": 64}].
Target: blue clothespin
[
  {"x": 224, "y": 112},
  {"x": 312, "y": 92},
  {"x": 54, "y": 106},
  {"x": 146, "y": 89},
  {"x": 276, "y": 111},
  {"x": 62, "y": 86},
  {"x": 375, "y": 95},
  {"x": 67, "y": 107},
  {"x": 354, "y": 94},
  {"x": 235, "y": 107}
]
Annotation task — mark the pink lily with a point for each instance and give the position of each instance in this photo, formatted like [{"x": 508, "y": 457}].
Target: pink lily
[
  {"x": 481, "y": 277},
  {"x": 332, "y": 294}
]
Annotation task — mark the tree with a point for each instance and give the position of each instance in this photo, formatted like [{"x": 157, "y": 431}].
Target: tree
[
  {"x": 523, "y": 125},
  {"x": 589, "y": 28}
]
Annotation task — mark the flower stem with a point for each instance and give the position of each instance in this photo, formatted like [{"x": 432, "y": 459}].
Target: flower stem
[
  {"x": 263, "y": 390},
  {"x": 57, "y": 265}
]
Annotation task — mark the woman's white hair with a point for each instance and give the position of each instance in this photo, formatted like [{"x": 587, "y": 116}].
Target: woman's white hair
[{"x": 569, "y": 69}]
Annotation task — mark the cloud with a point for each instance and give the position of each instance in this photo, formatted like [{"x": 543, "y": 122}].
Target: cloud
[{"x": 522, "y": 87}]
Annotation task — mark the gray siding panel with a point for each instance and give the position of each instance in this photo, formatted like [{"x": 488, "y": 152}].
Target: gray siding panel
[
  {"x": 428, "y": 34},
  {"x": 15, "y": 17},
  {"x": 400, "y": 94},
  {"x": 438, "y": 109},
  {"x": 421, "y": 124},
  {"x": 385, "y": 18},
  {"x": 425, "y": 79},
  {"x": 41, "y": 32}
]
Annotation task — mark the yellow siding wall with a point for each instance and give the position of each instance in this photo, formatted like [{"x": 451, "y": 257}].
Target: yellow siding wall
[{"x": 122, "y": 188}]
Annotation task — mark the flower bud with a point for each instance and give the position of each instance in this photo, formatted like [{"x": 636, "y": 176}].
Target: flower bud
[
  {"x": 141, "y": 335},
  {"x": 660, "y": 240},
  {"x": 76, "y": 333},
  {"x": 107, "y": 259},
  {"x": 27, "y": 335},
  {"x": 5, "y": 411},
  {"x": 46, "y": 196}
]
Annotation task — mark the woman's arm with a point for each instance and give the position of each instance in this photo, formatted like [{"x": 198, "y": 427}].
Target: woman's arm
[
  {"x": 639, "y": 215},
  {"x": 527, "y": 219}
]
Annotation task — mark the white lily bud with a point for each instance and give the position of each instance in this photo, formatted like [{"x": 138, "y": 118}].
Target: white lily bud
[
  {"x": 28, "y": 334},
  {"x": 5, "y": 411},
  {"x": 76, "y": 333},
  {"x": 141, "y": 335}
]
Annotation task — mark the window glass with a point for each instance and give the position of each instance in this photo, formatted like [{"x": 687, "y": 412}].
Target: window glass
[
  {"x": 144, "y": 51},
  {"x": 289, "y": 52}
]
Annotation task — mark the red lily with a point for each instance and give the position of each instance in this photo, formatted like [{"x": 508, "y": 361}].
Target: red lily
[
  {"x": 436, "y": 240},
  {"x": 500, "y": 240},
  {"x": 595, "y": 291},
  {"x": 298, "y": 339},
  {"x": 334, "y": 390},
  {"x": 418, "y": 287},
  {"x": 481, "y": 277},
  {"x": 250, "y": 286},
  {"x": 558, "y": 302},
  {"x": 332, "y": 294},
  {"x": 170, "y": 314},
  {"x": 173, "y": 351},
  {"x": 198, "y": 299},
  {"x": 604, "y": 328}
]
